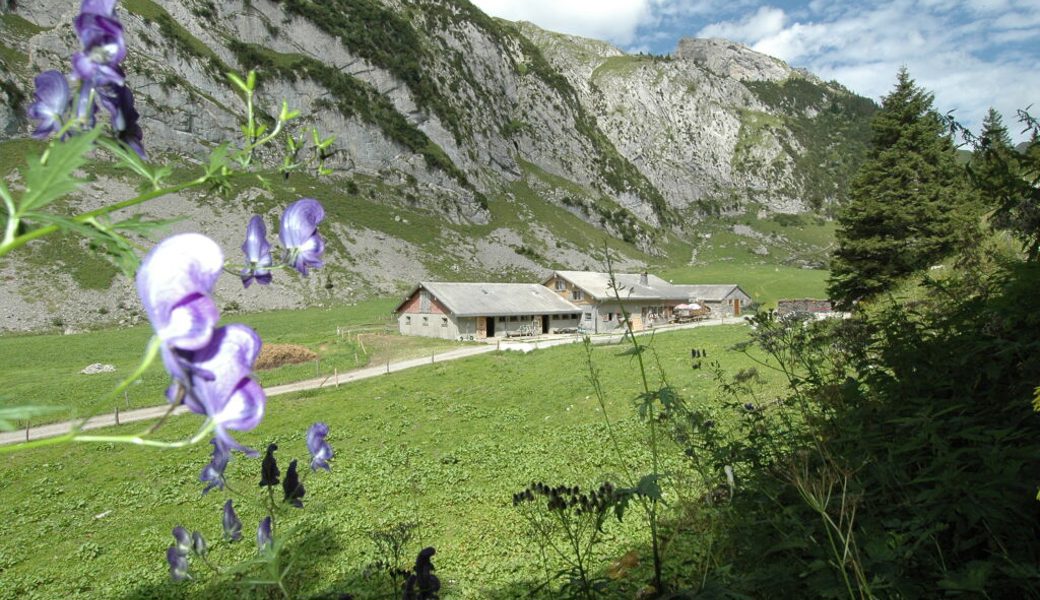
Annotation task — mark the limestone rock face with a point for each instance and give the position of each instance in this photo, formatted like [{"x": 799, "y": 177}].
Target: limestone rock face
[{"x": 732, "y": 60}]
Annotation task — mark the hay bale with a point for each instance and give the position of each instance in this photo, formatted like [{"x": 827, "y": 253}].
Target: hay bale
[{"x": 273, "y": 356}]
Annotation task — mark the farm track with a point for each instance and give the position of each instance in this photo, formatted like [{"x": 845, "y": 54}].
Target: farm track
[{"x": 156, "y": 412}]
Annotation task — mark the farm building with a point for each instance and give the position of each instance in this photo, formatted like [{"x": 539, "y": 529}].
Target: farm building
[
  {"x": 648, "y": 299},
  {"x": 473, "y": 311},
  {"x": 723, "y": 299}
]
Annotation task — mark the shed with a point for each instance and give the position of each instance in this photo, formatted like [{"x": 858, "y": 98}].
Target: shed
[
  {"x": 722, "y": 299},
  {"x": 646, "y": 298}
]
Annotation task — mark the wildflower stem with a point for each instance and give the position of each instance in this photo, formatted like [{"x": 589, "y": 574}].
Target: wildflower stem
[
  {"x": 18, "y": 242},
  {"x": 207, "y": 428}
]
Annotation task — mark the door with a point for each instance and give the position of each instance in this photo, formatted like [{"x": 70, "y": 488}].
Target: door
[
  {"x": 736, "y": 307},
  {"x": 491, "y": 326},
  {"x": 545, "y": 323}
]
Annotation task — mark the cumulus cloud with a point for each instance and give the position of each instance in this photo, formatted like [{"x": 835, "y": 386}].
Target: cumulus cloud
[{"x": 962, "y": 51}]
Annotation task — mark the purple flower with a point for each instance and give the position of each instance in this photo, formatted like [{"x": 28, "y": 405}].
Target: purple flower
[
  {"x": 221, "y": 384},
  {"x": 299, "y": 234},
  {"x": 178, "y": 564},
  {"x": 198, "y": 544},
  {"x": 258, "y": 253},
  {"x": 52, "y": 99},
  {"x": 292, "y": 487},
  {"x": 104, "y": 48},
  {"x": 119, "y": 101},
  {"x": 174, "y": 283},
  {"x": 182, "y": 541},
  {"x": 232, "y": 526},
  {"x": 264, "y": 541},
  {"x": 269, "y": 468},
  {"x": 213, "y": 473},
  {"x": 211, "y": 367},
  {"x": 320, "y": 450}
]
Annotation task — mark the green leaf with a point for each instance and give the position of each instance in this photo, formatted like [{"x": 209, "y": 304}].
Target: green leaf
[
  {"x": 648, "y": 487},
  {"x": 235, "y": 79},
  {"x": 51, "y": 177},
  {"x": 10, "y": 416},
  {"x": 131, "y": 160}
]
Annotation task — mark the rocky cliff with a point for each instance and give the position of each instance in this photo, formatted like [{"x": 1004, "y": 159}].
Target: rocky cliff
[{"x": 472, "y": 133}]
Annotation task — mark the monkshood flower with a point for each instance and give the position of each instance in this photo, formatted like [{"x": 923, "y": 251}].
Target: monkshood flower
[
  {"x": 258, "y": 253},
  {"x": 221, "y": 384},
  {"x": 104, "y": 47},
  {"x": 52, "y": 100},
  {"x": 211, "y": 367},
  {"x": 198, "y": 544},
  {"x": 264, "y": 541},
  {"x": 213, "y": 473},
  {"x": 182, "y": 541},
  {"x": 269, "y": 468},
  {"x": 292, "y": 487},
  {"x": 178, "y": 564},
  {"x": 320, "y": 450},
  {"x": 299, "y": 234},
  {"x": 232, "y": 525},
  {"x": 174, "y": 282},
  {"x": 119, "y": 102}
]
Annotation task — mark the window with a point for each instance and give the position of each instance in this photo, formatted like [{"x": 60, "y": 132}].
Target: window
[
  {"x": 514, "y": 318},
  {"x": 501, "y": 319},
  {"x": 574, "y": 316},
  {"x": 576, "y": 295},
  {"x": 407, "y": 320},
  {"x": 560, "y": 285},
  {"x": 444, "y": 321},
  {"x": 610, "y": 316},
  {"x": 588, "y": 316},
  {"x": 426, "y": 321}
]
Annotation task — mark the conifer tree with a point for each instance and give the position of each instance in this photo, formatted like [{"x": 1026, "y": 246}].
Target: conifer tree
[
  {"x": 1007, "y": 180},
  {"x": 907, "y": 204}
]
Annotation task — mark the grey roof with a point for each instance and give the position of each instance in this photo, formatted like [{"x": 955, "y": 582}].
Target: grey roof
[
  {"x": 497, "y": 299},
  {"x": 710, "y": 291},
  {"x": 597, "y": 285}
]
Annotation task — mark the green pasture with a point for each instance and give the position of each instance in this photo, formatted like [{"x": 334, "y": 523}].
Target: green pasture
[
  {"x": 444, "y": 446},
  {"x": 45, "y": 369},
  {"x": 765, "y": 283}
]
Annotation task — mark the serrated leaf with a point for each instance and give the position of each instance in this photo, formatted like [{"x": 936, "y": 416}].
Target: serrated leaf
[
  {"x": 47, "y": 181},
  {"x": 131, "y": 160},
  {"x": 10, "y": 416},
  {"x": 648, "y": 487}
]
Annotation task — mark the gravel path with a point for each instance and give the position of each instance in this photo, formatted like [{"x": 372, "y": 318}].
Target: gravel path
[{"x": 155, "y": 412}]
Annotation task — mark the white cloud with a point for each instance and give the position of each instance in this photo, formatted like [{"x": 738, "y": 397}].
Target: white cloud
[
  {"x": 613, "y": 20},
  {"x": 951, "y": 49}
]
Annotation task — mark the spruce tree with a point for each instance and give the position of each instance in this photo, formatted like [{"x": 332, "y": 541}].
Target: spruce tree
[
  {"x": 1007, "y": 180},
  {"x": 907, "y": 203}
]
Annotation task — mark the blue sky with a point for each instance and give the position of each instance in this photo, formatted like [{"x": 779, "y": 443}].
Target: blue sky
[{"x": 972, "y": 54}]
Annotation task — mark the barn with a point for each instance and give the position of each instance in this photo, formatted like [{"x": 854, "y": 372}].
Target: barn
[
  {"x": 648, "y": 299},
  {"x": 473, "y": 311}
]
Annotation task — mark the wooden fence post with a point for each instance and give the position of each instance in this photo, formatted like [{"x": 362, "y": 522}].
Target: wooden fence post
[
  {"x": 117, "y": 414},
  {"x": 335, "y": 373},
  {"x": 27, "y": 430}
]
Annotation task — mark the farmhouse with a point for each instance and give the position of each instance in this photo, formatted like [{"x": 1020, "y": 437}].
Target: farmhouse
[
  {"x": 722, "y": 299},
  {"x": 473, "y": 311},
  {"x": 648, "y": 299}
]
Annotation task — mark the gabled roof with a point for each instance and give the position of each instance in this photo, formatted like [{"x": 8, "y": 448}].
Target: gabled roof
[
  {"x": 597, "y": 285},
  {"x": 495, "y": 299},
  {"x": 710, "y": 291}
]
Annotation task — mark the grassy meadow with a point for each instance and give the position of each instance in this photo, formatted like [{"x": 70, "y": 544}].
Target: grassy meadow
[
  {"x": 444, "y": 446},
  {"x": 34, "y": 373}
]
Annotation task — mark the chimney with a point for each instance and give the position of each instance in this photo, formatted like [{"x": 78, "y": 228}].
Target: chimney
[{"x": 644, "y": 279}]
